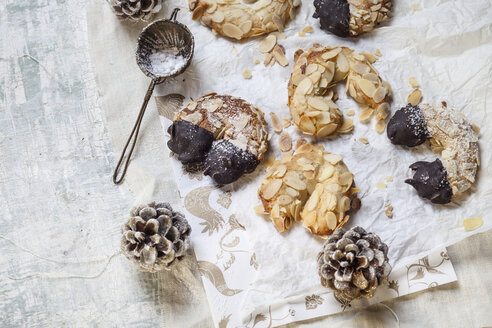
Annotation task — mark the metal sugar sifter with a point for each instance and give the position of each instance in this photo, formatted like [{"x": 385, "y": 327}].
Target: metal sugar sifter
[{"x": 164, "y": 37}]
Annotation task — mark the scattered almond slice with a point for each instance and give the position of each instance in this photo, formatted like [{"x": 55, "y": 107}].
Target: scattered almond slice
[
  {"x": 370, "y": 57},
  {"x": 389, "y": 178},
  {"x": 378, "y": 53},
  {"x": 302, "y": 34},
  {"x": 380, "y": 126},
  {"x": 280, "y": 36},
  {"x": 279, "y": 55},
  {"x": 257, "y": 61},
  {"x": 234, "y": 49},
  {"x": 366, "y": 115},
  {"x": 416, "y": 7},
  {"x": 247, "y": 74},
  {"x": 381, "y": 185},
  {"x": 389, "y": 211},
  {"x": 268, "y": 58},
  {"x": 286, "y": 123},
  {"x": 307, "y": 29},
  {"x": 285, "y": 143},
  {"x": 350, "y": 112},
  {"x": 277, "y": 126},
  {"x": 300, "y": 142},
  {"x": 267, "y": 44},
  {"x": 414, "y": 97},
  {"x": 472, "y": 223},
  {"x": 347, "y": 126},
  {"x": 364, "y": 140},
  {"x": 413, "y": 82}
]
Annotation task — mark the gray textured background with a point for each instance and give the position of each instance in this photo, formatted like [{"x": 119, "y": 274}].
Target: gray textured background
[{"x": 61, "y": 210}]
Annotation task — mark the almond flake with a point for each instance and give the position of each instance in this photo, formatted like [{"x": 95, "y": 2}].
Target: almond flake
[
  {"x": 327, "y": 130},
  {"x": 285, "y": 143},
  {"x": 232, "y": 31},
  {"x": 364, "y": 140},
  {"x": 342, "y": 63},
  {"x": 413, "y": 82},
  {"x": 367, "y": 87},
  {"x": 300, "y": 142},
  {"x": 414, "y": 97},
  {"x": 279, "y": 55},
  {"x": 271, "y": 188},
  {"x": 292, "y": 180},
  {"x": 277, "y": 126},
  {"x": 347, "y": 126},
  {"x": 380, "y": 126},
  {"x": 381, "y": 185},
  {"x": 285, "y": 123},
  {"x": 366, "y": 115},
  {"x": 267, "y": 44},
  {"x": 332, "y": 158},
  {"x": 247, "y": 74},
  {"x": 379, "y": 94},
  {"x": 307, "y": 29},
  {"x": 350, "y": 112},
  {"x": 260, "y": 210},
  {"x": 472, "y": 223},
  {"x": 257, "y": 61},
  {"x": 389, "y": 178}
]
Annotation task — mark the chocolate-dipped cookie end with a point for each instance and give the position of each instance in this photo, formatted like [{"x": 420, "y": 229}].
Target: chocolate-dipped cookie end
[
  {"x": 334, "y": 16},
  {"x": 190, "y": 141},
  {"x": 407, "y": 127},
  {"x": 430, "y": 181}
]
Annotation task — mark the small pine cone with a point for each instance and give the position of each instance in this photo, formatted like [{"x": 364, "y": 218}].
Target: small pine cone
[
  {"x": 353, "y": 263},
  {"x": 136, "y": 10},
  {"x": 155, "y": 236}
]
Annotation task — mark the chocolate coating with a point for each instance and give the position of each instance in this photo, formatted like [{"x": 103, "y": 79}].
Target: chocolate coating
[
  {"x": 430, "y": 181},
  {"x": 189, "y": 141},
  {"x": 407, "y": 127},
  {"x": 226, "y": 162},
  {"x": 334, "y": 16}
]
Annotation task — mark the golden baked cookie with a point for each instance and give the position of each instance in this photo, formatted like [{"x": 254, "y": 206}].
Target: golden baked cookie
[
  {"x": 241, "y": 19},
  {"x": 312, "y": 186},
  {"x": 226, "y": 134},
  {"x": 312, "y": 98}
]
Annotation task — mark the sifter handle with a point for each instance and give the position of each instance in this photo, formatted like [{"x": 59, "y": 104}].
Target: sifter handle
[{"x": 134, "y": 136}]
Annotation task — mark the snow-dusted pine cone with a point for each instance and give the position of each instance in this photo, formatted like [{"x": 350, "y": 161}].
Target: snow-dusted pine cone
[
  {"x": 155, "y": 236},
  {"x": 353, "y": 263},
  {"x": 136, "y": 10}
]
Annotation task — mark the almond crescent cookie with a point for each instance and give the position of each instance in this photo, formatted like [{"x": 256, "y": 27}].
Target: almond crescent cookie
[
  {"x": 351, "y": 17},
  {"x": 226, "y": 134},
  {"x": 241, "y": 19},
  {"x": 312, "y": 186},
  {"x": 312, "y": 98},
  {"x": 452, "y": 136}
]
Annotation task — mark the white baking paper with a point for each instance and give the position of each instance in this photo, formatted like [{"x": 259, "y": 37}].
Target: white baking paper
[{"x": 445, "y": 45}]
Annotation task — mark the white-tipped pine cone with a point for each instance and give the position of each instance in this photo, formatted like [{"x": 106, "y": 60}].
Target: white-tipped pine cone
[
  {"x": 136, "y": 10},
  {"x": 353, "y": 263},
  {"x": 155, "y": 236}
]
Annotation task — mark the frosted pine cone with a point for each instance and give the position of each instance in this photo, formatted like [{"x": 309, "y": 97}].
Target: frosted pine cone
[
  {"x": 353, "y": 263},
  {"x": 155, "y": 236},
  {"x": 136, "y": 9}
]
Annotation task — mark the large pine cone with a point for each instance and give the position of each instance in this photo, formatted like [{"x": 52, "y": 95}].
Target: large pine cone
[
  {"x": 155, "y": 236},
  {"x": 353, "y": 263},
  {"x": 136, "y": 9}
]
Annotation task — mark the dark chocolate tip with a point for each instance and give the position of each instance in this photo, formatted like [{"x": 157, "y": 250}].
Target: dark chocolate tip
[
  {"x": 190, "y": 141},
  {"x": 430, "y": 181},
  {"x": 407, "y": 127},
  {"x": 226, "y": 162},
  {"x": 334, "y": 16}
]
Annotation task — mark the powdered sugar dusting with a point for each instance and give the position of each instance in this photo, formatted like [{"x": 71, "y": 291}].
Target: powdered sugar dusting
[{"x": 166, "y": 62}]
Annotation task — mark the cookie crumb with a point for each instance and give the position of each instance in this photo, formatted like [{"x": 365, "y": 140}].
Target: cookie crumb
[
  {"x": 257, "y": 61},
  {"x": 389, "y": 211}
]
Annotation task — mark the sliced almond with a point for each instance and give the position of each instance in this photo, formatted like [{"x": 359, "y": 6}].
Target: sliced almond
[
  {"x": 379, "y": 94},
  {"x": 267, "y": 59},
  {"x": 347, "y": 126},
  {"x": 318, "y": 103},
  {"x": 331, "y": 54},
  {"x": 260, "y": 210},
  {"x": 342, "y": 63},
  {"x": 304, "y": 148},
  {"x": 271, "y": 188},
  {"x": 279, "y": 55},
  {"x": 472, "y": 223},
  {"x": 292, "y": 180},
  {"x": 327, "y": 130},
  {"x": 285, "y": 123},
  {"x": 382, "y": 111},
  {"x": 346, "y": 179},
  {"x": 312, "y": 202},
  {"x": 370, "y": 57},
  {"x": 380, "y": 126},
  {"x": 307, "y": 29},
  {"x": 277, "y": 126},
  {"x": 232, "y": 31},
  {"x": 381, "y": 185},
  {"x": 326, "y": 173},
  {"x": 364, "y": 140},
  {"x": 350, "y": 112},
  {"x": 300, "y": 142},
  {"x": 414, "y": 97},
  {"x": 267, "y": 44},
  {"x": 307, "y": 125},
  {"x": 331, "y": 220},
  {"x": 413, "y": 82},
  {"x": 332, "y": 158},
  {"x": 304, "y": 87},
  {"x": 366, "y": 115},
  {"x": 367, "y": 87},
  {"x": 247, "y": 74},
  {"x": 285, "y": 143},
  {"x": 217, "y": 17}
]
